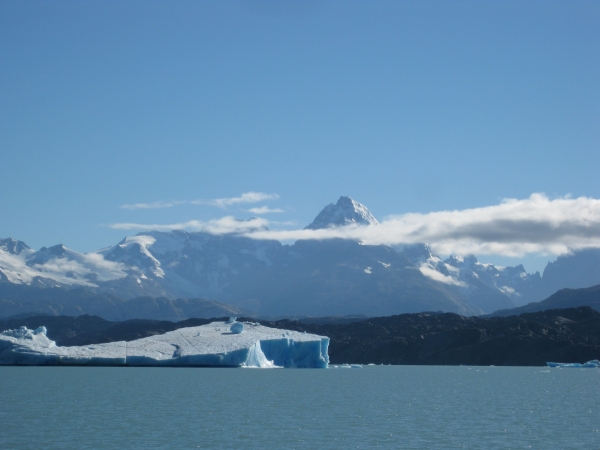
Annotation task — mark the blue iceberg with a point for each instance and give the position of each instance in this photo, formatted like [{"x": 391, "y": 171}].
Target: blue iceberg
[{"x": 215, "y": 344}]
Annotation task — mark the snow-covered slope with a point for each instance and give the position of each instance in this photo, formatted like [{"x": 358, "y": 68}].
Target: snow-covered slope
[
  {"x": 345, "y": 212},
  {"x": 229, "y": 344},
  {"x": 55, "y": 266},
  {"x": 461, "y": 275},
  {"x": 183, "y": 264},
  {"x": 514, "y": 282},
  {"x": 472, "y": 276}
]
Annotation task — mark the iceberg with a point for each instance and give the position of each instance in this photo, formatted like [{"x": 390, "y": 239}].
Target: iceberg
[{"x": 218, "y": 344}]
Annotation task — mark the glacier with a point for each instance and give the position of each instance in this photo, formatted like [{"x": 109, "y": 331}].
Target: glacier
[{"x": 218, "y": 344}]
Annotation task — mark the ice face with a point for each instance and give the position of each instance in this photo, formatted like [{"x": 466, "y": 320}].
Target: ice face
[{"x": 208, "y": 345}]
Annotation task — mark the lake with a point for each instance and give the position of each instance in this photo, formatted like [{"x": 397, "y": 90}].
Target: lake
[{"x": 373, "y": 407}]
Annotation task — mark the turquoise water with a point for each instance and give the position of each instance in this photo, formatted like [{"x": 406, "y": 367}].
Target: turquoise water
[{"x": 373, "y": 407}]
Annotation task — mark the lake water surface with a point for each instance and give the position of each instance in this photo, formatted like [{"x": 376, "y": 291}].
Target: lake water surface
[{"x": 373, "y": 407}]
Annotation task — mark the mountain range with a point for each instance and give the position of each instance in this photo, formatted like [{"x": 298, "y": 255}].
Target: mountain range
[{"x": 312, "y": 278}]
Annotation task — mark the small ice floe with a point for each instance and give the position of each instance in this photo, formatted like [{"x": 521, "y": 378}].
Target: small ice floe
[
  {"x": 594, "y": 363},
  {"x": 356, "y": 366}
]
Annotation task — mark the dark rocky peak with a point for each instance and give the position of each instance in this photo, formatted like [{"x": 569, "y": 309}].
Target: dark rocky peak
[
  {"x": 578, "y": 260},
  {"x": 516, "y": 270},
  {"x": 55, "y": 251},
  {"x": 345, "y": 212},
  {"x": 579, "y": 269},
  {"x": 45, "y": 254},
  {"x": 13, "y": 246}
]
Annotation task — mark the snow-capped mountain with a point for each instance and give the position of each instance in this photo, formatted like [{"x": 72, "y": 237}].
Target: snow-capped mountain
[
  {"x": 345, "y": 212},
  {"x": 312, "y": 278},
  {"x": 186, "y": 264},
  {"x": 12, "y": 246},
  {"x": 577, "y": 270},
  {"x": 335, "y": 277},
  {"x": 514, "y": 282},
  {"x": 580, "y": 269}
]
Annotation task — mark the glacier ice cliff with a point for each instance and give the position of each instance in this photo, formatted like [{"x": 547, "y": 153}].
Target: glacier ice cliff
[{"x": 214, "y": 344}]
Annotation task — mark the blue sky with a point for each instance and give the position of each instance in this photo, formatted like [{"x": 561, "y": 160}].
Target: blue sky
[{"x": 408, "y": 107}]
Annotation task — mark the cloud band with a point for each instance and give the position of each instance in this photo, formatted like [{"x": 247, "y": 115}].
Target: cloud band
[{"x": 512, "y": 228}]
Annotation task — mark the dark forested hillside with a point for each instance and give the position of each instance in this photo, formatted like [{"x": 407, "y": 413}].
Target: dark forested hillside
[{"x": 449, "y": 339}]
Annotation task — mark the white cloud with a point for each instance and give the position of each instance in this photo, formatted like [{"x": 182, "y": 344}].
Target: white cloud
[
  {"x": 104, "y": 268},
  {"x": 223, "y": 225},
  {"x": 512, "y": 228},
  {"x": 247, "y": 197},
  {"x": 437, "y": 276},
  {"x": 153, "y": 205},
  {"x": 285, "y": 223},
  {"x": 264, "y": 210},
  {"x": 79, "y": 266}
]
